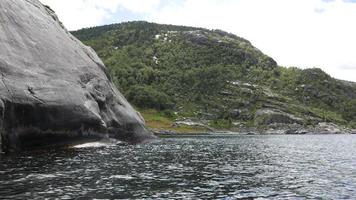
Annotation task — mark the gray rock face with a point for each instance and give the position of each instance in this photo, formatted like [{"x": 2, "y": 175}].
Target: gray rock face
[
  {"x": 270, "y": 116},
  {"x": 53, "y": 89}
]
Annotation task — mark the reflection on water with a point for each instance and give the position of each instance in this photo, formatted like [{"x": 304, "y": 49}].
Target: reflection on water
[{"x": 228, "y": 167}]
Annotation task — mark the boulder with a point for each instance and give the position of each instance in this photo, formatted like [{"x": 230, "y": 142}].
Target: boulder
[{"x": 53, "y": 89}]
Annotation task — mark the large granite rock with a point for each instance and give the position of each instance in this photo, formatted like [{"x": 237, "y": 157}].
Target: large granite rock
[{"x": 53, "y": 89}]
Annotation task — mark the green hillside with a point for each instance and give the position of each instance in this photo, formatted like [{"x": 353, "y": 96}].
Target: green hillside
[{"x": 214, "y": 77}]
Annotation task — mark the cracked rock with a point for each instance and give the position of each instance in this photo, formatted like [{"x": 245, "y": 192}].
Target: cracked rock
[{"x": 55, "y": 90}]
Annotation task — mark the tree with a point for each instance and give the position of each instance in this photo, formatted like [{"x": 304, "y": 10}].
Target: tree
[
  {"x": 350, "y": 110},
  {"x": 148, "y": 97}
]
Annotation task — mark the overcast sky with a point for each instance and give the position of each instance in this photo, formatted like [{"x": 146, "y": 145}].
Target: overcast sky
[{"x": 301, "y": 33}]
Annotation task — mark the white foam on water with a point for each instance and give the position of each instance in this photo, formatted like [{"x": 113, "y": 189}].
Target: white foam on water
[
  {"x": 91, "y": 144},
  {"x": 40, "y": 176},
  {"x": 125, "y": 177},
  {"x": 102, "y": 143}
]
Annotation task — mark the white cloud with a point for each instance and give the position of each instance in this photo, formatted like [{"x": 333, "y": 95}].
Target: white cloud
[
  {"x": 76, "y": 14},
  {"x": 303, "y": 33},
  {"x": 140, "y": 6}
]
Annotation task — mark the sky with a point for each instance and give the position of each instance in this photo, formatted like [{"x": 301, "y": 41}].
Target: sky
[{"x": 296, "y": 33}]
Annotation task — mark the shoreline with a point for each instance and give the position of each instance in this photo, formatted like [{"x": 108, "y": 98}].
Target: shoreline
[{"x": 256, "y": 131}]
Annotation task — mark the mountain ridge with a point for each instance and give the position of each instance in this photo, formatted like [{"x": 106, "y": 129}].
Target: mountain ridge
[{"x": 216, "y": 77}]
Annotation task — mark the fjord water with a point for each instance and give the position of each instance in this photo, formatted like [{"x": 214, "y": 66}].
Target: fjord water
[{"x": 208, "y": 167}]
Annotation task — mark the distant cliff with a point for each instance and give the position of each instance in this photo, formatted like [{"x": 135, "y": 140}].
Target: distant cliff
[
  {"x": 53, "y": 89},
  {"x": 216, "y": 78}
]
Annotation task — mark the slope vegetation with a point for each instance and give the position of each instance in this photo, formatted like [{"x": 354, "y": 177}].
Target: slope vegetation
[{"x": 216, "y": 78}]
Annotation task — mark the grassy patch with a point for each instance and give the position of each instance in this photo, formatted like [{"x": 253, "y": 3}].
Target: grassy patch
[
  {"x": 329, "y": 116},
  {"x": 159, "y": 120},
  {"x": 221, "y": 124}
]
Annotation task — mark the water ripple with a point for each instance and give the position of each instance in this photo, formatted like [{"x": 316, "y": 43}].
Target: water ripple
[{"x": 204, "y": 167}]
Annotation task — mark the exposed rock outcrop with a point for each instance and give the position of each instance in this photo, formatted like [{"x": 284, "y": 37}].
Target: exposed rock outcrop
[
  {"x": 53, "y": 89},
  {"x": 297, "y": 129},
  {"x": 270, "y": 116}
]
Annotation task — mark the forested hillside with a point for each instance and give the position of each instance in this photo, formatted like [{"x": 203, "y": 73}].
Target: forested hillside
[{"x": 216, "y": 78}]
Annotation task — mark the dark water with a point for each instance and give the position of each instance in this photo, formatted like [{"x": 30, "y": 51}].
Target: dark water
[{"x": 207, "y": 167}]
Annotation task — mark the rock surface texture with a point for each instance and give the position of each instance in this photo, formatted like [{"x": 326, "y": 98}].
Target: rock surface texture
[{"x": 53, "y": 89}]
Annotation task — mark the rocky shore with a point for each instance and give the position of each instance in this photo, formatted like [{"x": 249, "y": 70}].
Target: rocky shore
[{"x": 272, "y": 129}]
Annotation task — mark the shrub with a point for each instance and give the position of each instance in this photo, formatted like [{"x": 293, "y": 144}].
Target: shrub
[{"x": 148, "y": 97}]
